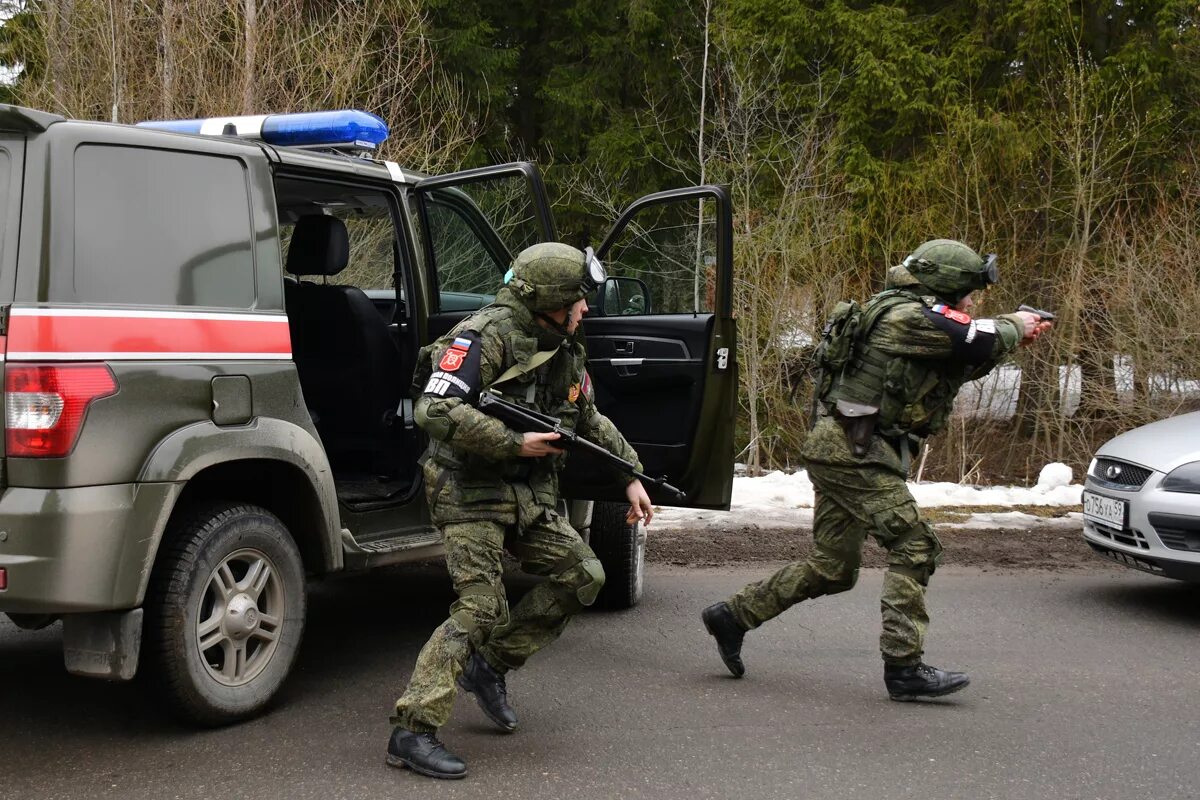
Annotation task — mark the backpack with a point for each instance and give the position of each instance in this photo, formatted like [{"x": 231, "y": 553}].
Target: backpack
[{"x": 841, "y": 347}]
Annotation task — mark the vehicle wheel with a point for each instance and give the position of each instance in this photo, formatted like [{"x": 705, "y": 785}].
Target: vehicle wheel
[
  {"x": 225, "y": 612},
  {"x": 621, "y": 549}
]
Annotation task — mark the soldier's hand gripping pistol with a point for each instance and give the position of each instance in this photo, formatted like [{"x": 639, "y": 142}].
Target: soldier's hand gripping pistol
[
  {"x": 1044, "y": 316},
  {"x": 523, "y": 420}
]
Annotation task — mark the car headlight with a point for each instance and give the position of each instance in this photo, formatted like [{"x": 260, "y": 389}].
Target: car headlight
[{"x": 1183, "y": 479}]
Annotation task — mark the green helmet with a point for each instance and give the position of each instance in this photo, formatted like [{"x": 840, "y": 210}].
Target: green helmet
[
  {"x": 552, "y": 275},
  {"x": 950, "y": 269}
]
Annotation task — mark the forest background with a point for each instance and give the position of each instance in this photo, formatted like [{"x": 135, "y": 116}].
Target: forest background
[{"x": 1061, "y": 135}]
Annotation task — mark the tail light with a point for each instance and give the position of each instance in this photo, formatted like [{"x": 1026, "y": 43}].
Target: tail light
[{"x": 44, "y": 405}]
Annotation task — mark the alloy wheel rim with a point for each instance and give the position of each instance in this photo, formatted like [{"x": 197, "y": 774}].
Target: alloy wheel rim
[{"x": 240, "y": 617}]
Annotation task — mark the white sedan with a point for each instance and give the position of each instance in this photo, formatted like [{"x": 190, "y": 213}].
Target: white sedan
[{"x": 1141, "y": 501}]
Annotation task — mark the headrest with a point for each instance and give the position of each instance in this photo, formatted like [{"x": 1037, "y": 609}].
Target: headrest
[{"x": 319, "y": 246}]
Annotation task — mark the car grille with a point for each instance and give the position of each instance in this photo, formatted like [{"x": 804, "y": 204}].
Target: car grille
[
  {"x": 1129, "y": 476},
  {"x": 1129, "y": 538},
  {"x": 1177, "y": 532}
]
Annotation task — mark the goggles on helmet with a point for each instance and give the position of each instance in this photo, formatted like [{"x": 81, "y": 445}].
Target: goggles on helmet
[
  {"x": 991, "y": 272},
  {"x": 594, "y": 273}
]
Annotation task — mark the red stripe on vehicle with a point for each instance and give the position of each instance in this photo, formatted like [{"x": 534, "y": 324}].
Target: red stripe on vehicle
[{"x": 66, "y": 335}]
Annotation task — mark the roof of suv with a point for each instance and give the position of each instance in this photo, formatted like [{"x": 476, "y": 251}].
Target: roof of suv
[{"x": 27, "y": 120}]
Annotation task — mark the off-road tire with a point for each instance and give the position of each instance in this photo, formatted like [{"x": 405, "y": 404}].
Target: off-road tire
[
  {"x": 621, "y": 549},
  {"x": 198, "y": 541}
]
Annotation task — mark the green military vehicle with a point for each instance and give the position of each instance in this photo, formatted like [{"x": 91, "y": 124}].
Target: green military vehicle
[{"x": 209, "y": 331}]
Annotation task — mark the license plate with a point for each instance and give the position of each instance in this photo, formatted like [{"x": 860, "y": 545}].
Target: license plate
[{"x": 1108, "y": 510}]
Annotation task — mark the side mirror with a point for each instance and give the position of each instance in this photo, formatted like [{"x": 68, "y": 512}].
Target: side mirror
[{"x": 623, "y": 297}]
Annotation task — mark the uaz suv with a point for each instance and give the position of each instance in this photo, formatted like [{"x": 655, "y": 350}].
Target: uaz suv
[{"x": 209, "y": 331}]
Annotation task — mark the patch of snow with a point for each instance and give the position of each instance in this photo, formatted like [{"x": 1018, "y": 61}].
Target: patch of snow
[
  {"x": 1008, "y": 520},
  {"x": 780, "y": 499},
  {"x": 1053, "y": 476}
]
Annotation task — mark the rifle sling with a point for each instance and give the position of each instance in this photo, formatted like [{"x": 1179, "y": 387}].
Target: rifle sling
[{"x": 525, "y": 367}]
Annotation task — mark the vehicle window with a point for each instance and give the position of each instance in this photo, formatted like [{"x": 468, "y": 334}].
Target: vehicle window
[
  {"x": 160, "y": 227},
  {"x": 464, "y": 263},
  {"x": 672, "y": 249},
  {"x": 369, "y": 222},
  {"x": 474, "y": 230}
]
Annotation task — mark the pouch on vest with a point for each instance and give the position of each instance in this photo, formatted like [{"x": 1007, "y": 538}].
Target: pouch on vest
[
  {"x": 422, "y": 371},
  {"x": 840, "y": 336}
]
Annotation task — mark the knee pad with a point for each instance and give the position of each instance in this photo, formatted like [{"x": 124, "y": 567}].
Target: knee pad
[
  {"x": 579, "y": 576},
  {"x": 480, "y": 607},
  {"x": 590, "y": 580}
]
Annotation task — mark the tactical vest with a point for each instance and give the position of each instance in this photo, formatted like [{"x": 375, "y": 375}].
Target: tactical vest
[
  {"x": 546, "y": 385},
  {"x": 914, "y": 396}
]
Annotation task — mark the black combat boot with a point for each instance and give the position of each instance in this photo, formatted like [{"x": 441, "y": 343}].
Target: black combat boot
[
  {"x": 423, "y": 754},
  {"x": 490, "y": 692},
  {"x": 921, "y": 680},
  {"x": 724, "y": 627}
]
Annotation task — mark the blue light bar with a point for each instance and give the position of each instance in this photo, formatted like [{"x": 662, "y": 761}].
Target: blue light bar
[{"x": 316, "y": 128}]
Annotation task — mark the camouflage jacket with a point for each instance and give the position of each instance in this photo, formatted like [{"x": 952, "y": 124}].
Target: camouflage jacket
[
  {"x": 917, "y": 356},
  {"x": 472, "y": 467}
]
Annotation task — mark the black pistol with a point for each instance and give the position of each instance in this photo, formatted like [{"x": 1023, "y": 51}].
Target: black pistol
[{"x": 1048, "y": 316}]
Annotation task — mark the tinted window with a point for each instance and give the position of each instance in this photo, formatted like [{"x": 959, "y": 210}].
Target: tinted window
[{"x": 162, "y": 228}]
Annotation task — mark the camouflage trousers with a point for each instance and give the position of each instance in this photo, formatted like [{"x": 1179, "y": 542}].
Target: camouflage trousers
[
  {"x": 480, "y": 618},
  {"x": 856, "y": 500}
]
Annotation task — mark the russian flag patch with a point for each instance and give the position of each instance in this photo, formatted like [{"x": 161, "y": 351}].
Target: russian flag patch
[{"x": 951, "y": 313}]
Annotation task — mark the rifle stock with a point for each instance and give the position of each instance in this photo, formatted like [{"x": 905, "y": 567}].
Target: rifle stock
[{"x": 524, "y": 420}]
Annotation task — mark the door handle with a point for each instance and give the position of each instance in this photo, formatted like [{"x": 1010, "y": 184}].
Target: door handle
[
  {"x": 624, "y": 348},
  {"x": 626, "y": 367}
]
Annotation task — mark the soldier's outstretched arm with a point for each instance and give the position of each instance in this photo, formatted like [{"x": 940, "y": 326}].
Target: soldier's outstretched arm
[
  {"x": 941, "y": 332},
  {"x": 468, "y": 362}
]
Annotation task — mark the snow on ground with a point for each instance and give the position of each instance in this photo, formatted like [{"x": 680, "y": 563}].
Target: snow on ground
[{"x": 780, "y": 499}]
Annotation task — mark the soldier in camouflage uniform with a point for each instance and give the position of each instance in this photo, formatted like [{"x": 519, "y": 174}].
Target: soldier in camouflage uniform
[
  {"x": 492, "y": 489},
  {"x": 907, "y": 353}
]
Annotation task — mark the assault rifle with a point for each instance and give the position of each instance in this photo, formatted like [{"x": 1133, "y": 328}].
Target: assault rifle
[
  {"x": 1045, "y": 316},
  {"x": 524, "y": 420}
]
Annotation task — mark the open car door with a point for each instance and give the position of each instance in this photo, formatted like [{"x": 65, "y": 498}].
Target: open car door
[
  {"x": 472, "y": 225},
  {"x": 662, "y": 345}
]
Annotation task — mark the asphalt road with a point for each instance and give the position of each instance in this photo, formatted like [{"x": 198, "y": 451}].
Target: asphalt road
[{"x": 1085, "y": 686}]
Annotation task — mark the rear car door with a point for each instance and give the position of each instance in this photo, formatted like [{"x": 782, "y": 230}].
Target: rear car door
[{"x": 662, "y": 345}]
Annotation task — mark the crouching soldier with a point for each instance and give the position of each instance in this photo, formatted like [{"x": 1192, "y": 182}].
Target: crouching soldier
[{"x": 492, "y": 489}]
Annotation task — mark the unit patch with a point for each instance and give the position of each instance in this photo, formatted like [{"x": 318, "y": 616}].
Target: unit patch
[
  {"x": 573, "y": 393},
  {"x": 454, "y": 357},
  {"x": 456, "y": 373}
]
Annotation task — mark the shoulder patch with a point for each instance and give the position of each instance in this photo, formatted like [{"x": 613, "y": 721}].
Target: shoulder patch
[
  {"x": 951, "y": 313},
  {"x": 456, "y": 372},
  {"x": 455, "y": 355}
]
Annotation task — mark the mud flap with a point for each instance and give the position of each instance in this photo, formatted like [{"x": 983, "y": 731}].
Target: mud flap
[{"x": 104, "y": 644}]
